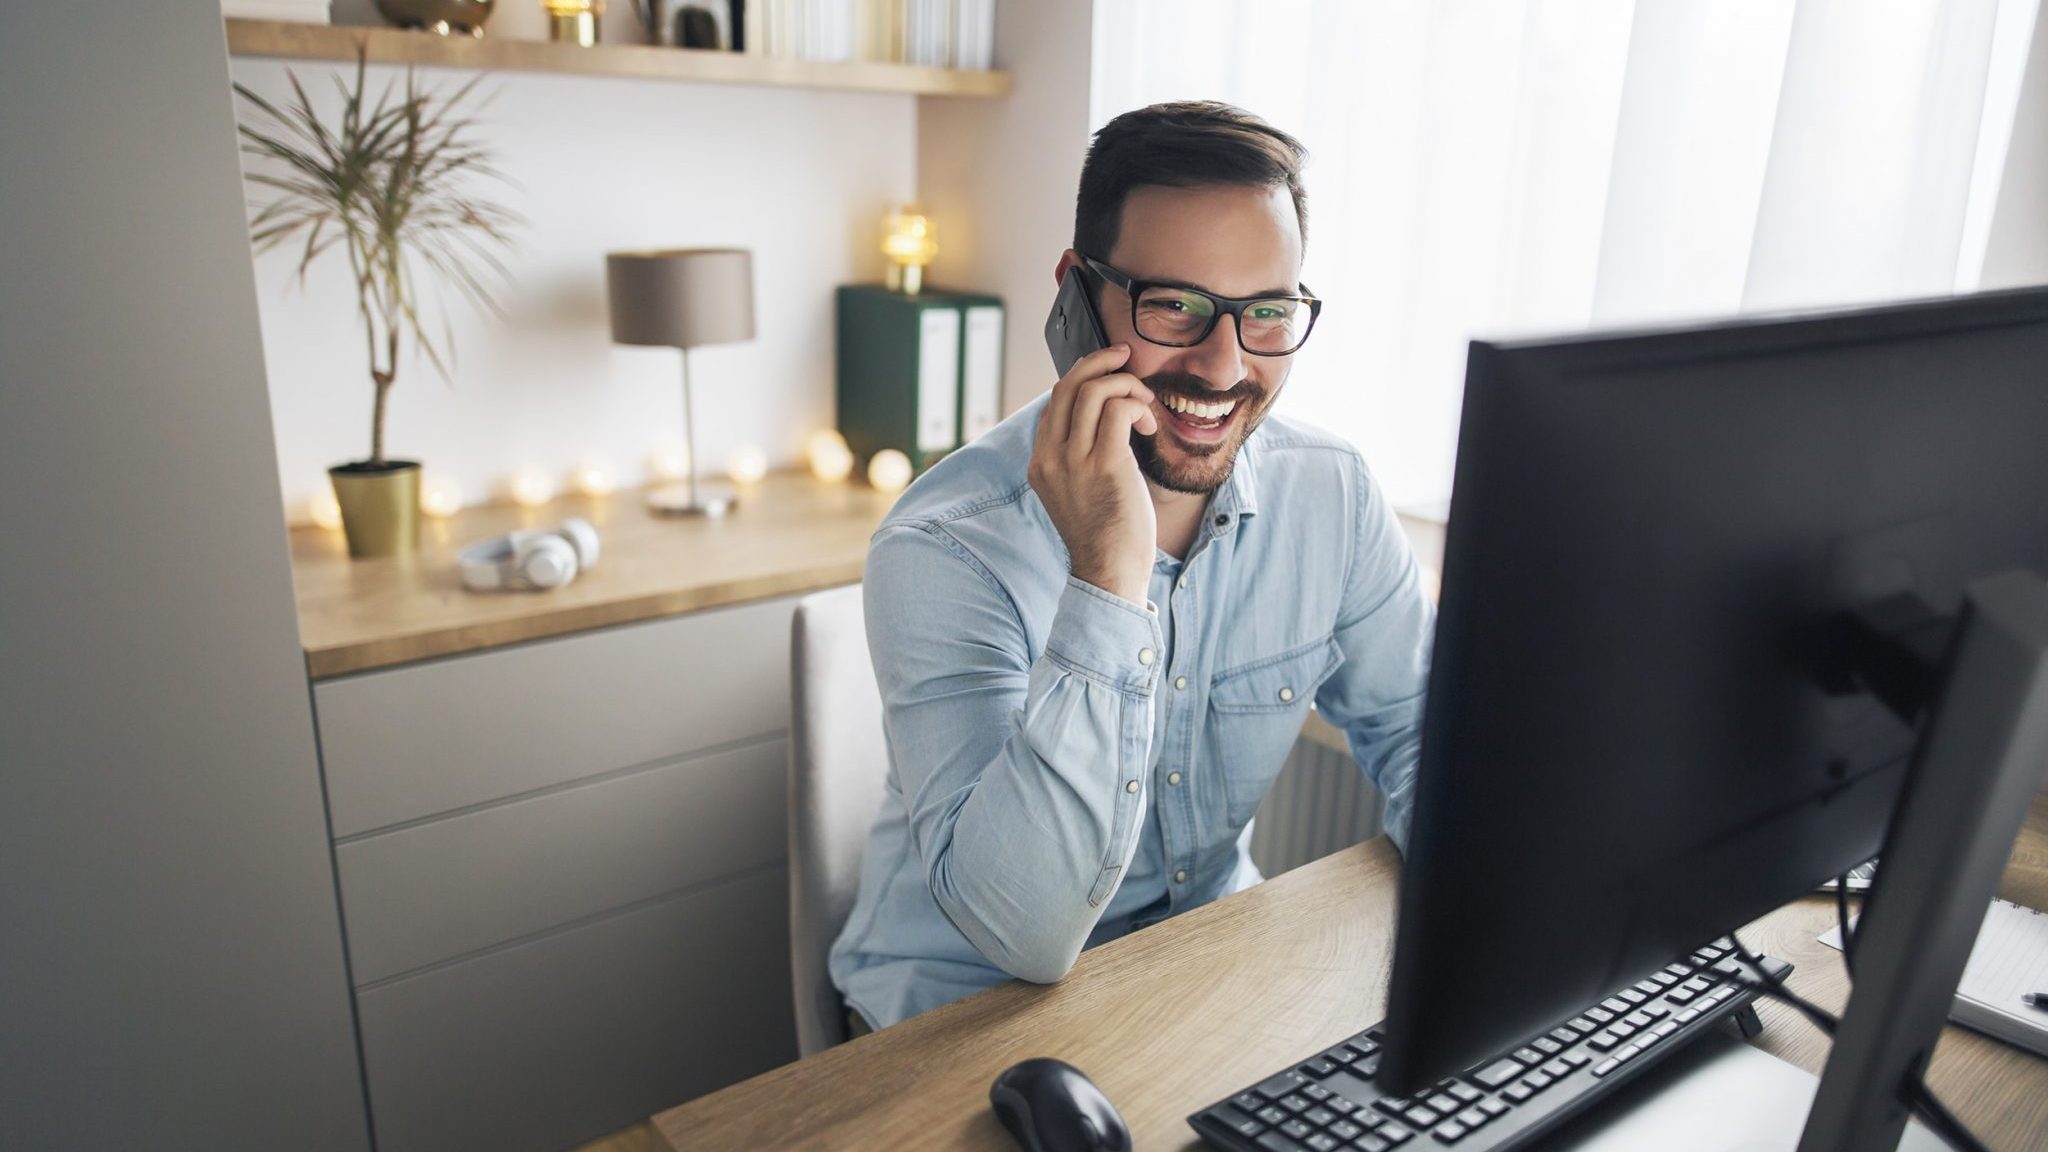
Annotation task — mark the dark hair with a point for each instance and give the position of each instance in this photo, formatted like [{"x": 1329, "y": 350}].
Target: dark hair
[{"x": 1184, "y": 144}]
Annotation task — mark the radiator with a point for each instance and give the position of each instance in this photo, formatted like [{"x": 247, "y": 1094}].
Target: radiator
[{"x": 1320, "y": 803}]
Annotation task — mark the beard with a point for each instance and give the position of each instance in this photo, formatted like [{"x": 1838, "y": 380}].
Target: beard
[{"x": 1197, "y": 469}]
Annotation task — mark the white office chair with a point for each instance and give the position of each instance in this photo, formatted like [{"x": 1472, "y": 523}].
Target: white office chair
[{"x": 838, "y": 762}]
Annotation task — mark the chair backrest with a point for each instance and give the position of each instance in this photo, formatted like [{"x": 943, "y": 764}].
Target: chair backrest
[{"x": 838, "y": 766}]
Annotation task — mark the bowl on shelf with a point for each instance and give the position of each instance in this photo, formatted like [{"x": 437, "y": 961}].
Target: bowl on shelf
[{"x": 447, "y": 17}]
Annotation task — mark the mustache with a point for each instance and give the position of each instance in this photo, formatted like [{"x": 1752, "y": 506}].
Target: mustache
[{"x": 1192, "y": 387}]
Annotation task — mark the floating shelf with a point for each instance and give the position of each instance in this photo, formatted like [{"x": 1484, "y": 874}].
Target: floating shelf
[{"x": 290, "y": 41}]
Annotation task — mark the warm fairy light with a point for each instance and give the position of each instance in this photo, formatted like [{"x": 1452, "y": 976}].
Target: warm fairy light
[
  {"x": 668, "y": 463},
  {"x": 747, "y": 464},
  {"x": 532, "y": 487},
  {"x": 594, "y": 478},
  {"x": 889, "y": 471},
  {"x": 440, "y": 497},
  {"x": 831, "y": 460},
  {"x": 323, "y": 508}
]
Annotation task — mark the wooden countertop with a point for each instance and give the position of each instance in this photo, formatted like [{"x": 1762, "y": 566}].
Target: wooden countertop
[
  {"x": 788, "y": 534},
  {"x": 1192, "y": 1009}
]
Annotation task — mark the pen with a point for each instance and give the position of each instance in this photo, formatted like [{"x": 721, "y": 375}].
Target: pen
[{"x": 2036, "y": 1000}]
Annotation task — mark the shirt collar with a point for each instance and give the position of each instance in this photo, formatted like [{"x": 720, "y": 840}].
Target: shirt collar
[{"x": 1239, "y": 495}]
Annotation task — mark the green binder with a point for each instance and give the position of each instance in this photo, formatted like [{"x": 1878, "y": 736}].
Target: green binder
[{"x": 921, "y": 374}]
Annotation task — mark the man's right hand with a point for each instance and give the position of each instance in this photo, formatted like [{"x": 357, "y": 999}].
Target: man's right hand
[{"x": 1085, "y": 475}]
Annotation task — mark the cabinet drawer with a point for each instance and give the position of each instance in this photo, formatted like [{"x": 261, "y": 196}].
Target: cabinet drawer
[
  {"x": 429, "y": 892},
  {"x": 412, "y": 742},
  {"x": 561, "y": 1040}
]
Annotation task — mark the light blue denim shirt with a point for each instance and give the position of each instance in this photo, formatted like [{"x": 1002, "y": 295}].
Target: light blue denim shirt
[{"x": 1066, "y": 766}]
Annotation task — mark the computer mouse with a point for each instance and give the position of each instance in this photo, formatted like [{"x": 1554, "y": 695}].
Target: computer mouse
[{"x": 1050, "y": 1106}]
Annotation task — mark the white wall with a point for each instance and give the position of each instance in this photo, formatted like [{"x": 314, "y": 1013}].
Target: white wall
[
  {"x": 799, "y": 176},
  {"x": 999, "y": 176},
  {"x": 2017, "y": 251}
]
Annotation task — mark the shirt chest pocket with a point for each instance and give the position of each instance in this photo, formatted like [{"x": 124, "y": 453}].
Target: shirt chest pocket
[{"x": 1256, "y": 709}]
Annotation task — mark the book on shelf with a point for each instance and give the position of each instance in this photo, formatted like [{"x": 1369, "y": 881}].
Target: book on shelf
[
  {"x": 928, "y": 33},
  {"x": 289, "y": 11}
]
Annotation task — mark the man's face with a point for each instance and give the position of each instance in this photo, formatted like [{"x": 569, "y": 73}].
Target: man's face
[{"x": 1228, "y": 240}]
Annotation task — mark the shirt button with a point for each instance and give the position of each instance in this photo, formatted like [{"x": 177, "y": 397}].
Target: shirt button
[
  {"x": 1286, "y": 694},
  {"x": 1183, "y": 580},
  {"x": 1181, "y": 876},
  {"x": 1173, "y": 778},
  {"x": 1145, "y": 656},
  {"x": 1180, "y": 682},
  {"x": 1131, "y": 786}
]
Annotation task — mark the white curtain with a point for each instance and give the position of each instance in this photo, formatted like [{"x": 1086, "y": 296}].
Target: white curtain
[{"x": 1496, "y": 167}]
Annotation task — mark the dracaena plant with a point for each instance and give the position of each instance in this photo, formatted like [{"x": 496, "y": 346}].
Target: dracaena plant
[{"x": 390, "y": 183}]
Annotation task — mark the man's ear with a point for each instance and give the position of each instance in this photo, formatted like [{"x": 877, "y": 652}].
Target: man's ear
[{"x": 1068, "y": 259}]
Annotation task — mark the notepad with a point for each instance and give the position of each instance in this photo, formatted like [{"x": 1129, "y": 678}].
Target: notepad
[{"x": 2009, "y": 960}]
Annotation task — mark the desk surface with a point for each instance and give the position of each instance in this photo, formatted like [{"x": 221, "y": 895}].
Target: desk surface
[{"x": 1191, "y": 1010}]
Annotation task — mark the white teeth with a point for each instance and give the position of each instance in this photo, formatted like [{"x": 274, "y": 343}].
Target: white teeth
[{"x": 1201, "y": 411}]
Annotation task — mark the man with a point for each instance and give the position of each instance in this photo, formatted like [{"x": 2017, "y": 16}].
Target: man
[{"x": 1097, "y": 629}]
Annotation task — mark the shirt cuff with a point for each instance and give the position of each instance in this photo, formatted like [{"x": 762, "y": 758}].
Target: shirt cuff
[{"x": 1106, "y": 638}]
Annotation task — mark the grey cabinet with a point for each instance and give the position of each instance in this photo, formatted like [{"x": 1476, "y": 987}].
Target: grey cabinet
[{"x": 563, "y": 877}]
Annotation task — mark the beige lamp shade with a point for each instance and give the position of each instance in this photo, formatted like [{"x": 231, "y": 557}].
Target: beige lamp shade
[{"x": 681, "y": 298}]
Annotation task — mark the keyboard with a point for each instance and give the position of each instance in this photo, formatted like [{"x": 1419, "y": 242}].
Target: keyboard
[{"x": 1329, "y": 1102}]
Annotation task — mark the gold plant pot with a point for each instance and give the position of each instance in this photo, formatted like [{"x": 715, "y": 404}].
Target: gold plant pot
[
  {"x": 447, "y": 17},
  {"x": 380, "y": 506}
]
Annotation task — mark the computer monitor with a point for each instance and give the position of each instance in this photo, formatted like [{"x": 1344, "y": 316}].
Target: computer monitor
[{"x": 1644, "y": 728}]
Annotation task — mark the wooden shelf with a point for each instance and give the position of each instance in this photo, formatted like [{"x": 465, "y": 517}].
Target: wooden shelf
[{"x": 290, "y": 41}]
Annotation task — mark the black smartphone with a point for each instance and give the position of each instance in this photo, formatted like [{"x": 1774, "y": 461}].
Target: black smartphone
[{"x": 1072, "y": 330}]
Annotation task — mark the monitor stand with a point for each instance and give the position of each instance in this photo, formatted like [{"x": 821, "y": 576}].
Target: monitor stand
[{"x": 1717, "y": 1094}]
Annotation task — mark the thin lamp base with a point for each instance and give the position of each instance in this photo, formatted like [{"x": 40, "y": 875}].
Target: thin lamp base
[{"x": 713, "y": 500}]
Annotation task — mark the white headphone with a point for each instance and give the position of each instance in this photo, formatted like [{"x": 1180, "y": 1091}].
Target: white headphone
[{"x": 530, "y": 559}]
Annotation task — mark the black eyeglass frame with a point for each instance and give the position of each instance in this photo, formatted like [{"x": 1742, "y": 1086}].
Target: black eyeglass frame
[{"x": 1230, "y": 306}]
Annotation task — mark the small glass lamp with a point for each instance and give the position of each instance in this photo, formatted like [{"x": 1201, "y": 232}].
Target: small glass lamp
[
  {"x": 910, "y": 241},
  {"x": 683, "y": 298}
]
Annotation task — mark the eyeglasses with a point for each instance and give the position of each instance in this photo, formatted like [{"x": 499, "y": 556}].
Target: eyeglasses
[{"x": 1180, "y": 317}]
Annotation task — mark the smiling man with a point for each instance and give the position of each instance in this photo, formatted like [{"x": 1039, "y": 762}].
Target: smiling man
[{"x": 1098, "y": 628}]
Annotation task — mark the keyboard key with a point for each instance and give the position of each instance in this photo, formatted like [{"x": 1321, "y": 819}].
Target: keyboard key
[
  {"x": 1320, "y": 1117},
  {"x": 1528, "y": 1056},
  {"x": 1599, "y": 1015},
  {"x": 1678, "y": 970},
  {"x": 1647, "y": 1039},
  {"x": 1450, "y": 1132},
  {"x": 1364, "y": 1046},
  {"x": 1623, "y": 1029},
  {"x": 1499, "y": 1072},
  {"x": 1420, "y": 1116},
  {"x": 1367, "y": 1067},
  {"x": 1537, "y": 1081},
  {"x": 1463, "y": 1091},
  {"x": 1372, "y": 1143},
  {"x": 1663, "y": 979},
  {"x": 1317, "y": 1092},
  {"x": 1564, "y": 1036},
  {"x": 1546, "y": 1045},
  {"x": 1493, "y": 1107},
  {"x": 1557, "y": 1069},
  {"x": 1396, "y": 1134},
  {"x": 1443, "y": 1103},
  {"x": 1340, "y": 1105},
  {"x": 1656, "y": 1011},
  {"x": 1632, "y": 996},
  {"x": 1604, "y": 1042},
  {"x": 1393, "y": 1105},
  {"x": 1249, "y": 1102},
  {"x": 1318, "y": 1068},
  {"x": 1281, "y": 1085},
  {"x": 1297, "y": 1129},
  {"x": 1472, "y": 1118},
  {"x": 1577, "y": 1059},
  {"x": 1341, "y": 1054},
  {"x": 1648, "y": 987},
  {"x": 1346, "y": 1130},
  {"x": 1680, "y": 995},
  {"x": 1637, "y": 1020},
  {"x": 1615, "y": 1004},
  {"x": 1236, "y": 1121},
  {"x": 1581, "y": 1026},
  {"x": 1275, "y": 1142},
  {"x": 1687, "y": 1016},
  {"x": 1323, "y": 1142},
  {"x": 1665, "y": 1029},
  {"x": 1296, "y": 1104},
  {"x": 1629, "y": 1053},
  {"x": 1518, "y": 1091},
  {"x": 1605, "y": 1066},
  {"x": 1272, "y": 1115}
]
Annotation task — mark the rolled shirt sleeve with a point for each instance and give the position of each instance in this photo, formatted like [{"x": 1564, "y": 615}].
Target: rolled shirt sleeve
[{"x": 1024, "y": 778}]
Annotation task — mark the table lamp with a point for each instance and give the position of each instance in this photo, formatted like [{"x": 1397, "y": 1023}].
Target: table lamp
[{"x": 683, "y": 298}]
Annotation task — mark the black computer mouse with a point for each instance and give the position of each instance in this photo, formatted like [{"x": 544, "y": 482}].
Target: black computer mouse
[{"x": 1050, "y": 1106}]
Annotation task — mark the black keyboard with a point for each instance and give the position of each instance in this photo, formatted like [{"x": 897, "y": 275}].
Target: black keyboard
[{"x": 1329, "y": 1102}]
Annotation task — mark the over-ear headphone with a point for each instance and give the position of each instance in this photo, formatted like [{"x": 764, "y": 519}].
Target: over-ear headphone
[{"x": 530, "y": 558}]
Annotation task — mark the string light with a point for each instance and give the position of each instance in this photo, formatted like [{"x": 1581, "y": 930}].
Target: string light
[
  {"x": 889, "y": 471},
  {"x": 747, "y": 464},
  {"x": 594, "y": 478},
  {"x": 532, "y": 488},
  {"x": 831, "y": 460},
  {"x": 668, "y": 463},
  {"x": 440, "y": 497},
  {"x": 323, "y": 509}
]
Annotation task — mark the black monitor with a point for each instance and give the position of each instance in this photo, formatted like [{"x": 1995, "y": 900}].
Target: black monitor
[{"x": 1646, "y": 723}]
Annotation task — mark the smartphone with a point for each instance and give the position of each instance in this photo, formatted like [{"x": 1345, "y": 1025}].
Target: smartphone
[{"x": 1072, "y": 330}]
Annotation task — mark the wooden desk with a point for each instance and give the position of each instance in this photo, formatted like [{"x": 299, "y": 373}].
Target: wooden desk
[{"x": 1187, "y": 1012}]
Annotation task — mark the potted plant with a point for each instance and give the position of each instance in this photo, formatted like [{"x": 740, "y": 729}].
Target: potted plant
[{"x": 387, "y": 184}]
